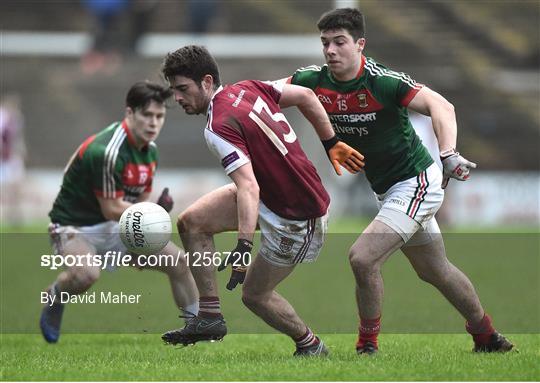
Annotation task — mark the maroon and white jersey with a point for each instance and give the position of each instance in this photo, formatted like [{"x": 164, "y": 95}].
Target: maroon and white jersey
[{"x": 245, "y": 124}]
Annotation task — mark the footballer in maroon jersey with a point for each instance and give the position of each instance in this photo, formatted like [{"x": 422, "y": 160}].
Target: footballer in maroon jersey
[
  {"x": 274, "y": 187},
  {"x": 245, "y": 125}
]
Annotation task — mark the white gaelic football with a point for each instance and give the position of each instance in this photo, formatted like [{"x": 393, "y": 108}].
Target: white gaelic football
[{"x": 145, "y": 228}]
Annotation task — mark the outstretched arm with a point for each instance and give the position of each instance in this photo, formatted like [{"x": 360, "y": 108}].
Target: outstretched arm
[
  {"x": 443, "y": 119},
  {"x": 339, "y": 153},
  {"x": 308, "y": 104},
  {"x": 442, "y": 113},
  {"x": 247, "y": 200}
]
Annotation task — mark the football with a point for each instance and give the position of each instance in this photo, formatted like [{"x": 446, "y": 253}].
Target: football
[{"x": 145, "y": 228}]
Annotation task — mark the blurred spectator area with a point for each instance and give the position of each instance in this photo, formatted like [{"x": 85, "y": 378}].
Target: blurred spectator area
[{"x": 481, "y": 55}]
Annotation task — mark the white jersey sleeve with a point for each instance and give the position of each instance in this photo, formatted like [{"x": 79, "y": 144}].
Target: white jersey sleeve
[
  {"x": 277, "y": 84},
  {"x": 231, "y": 157}
]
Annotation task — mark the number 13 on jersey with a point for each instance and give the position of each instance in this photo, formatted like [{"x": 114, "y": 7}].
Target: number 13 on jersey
[{"x": 270, "y": 124}]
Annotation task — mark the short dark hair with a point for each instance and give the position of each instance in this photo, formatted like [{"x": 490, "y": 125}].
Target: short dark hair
[
  {"x": 142, "y": 92},
  {"x": 350, "y": 19},
  {"x": 191, "y": 61}
]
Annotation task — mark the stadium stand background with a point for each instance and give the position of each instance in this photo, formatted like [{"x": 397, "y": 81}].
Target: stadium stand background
[{"x": 483, "y": 56}]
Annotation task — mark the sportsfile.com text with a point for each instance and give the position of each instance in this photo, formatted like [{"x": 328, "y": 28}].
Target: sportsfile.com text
[{"x": 119, "y": 259}]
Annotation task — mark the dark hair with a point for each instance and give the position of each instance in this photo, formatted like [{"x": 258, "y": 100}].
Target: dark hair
[
  {"x": 350, "y": 19},
  {"x": 142, "y": 92},
  {"x": 191, "y": 61}
]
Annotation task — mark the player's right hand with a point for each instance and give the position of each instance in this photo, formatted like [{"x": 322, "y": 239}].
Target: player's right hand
[
  {"x": 341, "y": 154},
  {"x": 455, "y": 166},
  {"x": 237, "y": 259},
  {"x": 165, "y": 200}
]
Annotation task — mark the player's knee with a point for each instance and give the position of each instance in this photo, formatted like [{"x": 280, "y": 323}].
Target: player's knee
[
  {"x": 252, "y": 301},
  {"x": 189, "y": 222},
  {"x": 359, "y": 263},
  {"x": 182, "y": 222}
]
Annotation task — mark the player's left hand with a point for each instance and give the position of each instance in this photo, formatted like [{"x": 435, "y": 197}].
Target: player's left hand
[
  {"x": 238, "y": 261},
  {"x": 165, "y": 200},
  {"x": 455, "y": 166},
  {"x": 341, "y": 154}
]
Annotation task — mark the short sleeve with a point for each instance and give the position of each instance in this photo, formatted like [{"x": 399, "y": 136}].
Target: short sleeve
[
  {"x": 397, "y": 87},
  {"x": 229, "y": 147},
  {"x": 307, "y": 77},
  {"x": 271, "y": 88}
]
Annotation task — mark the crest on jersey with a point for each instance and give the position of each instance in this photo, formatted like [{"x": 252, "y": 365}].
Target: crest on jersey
[
  {"x": 362, "y": 100},
  {"x": 286, "y": 244}
]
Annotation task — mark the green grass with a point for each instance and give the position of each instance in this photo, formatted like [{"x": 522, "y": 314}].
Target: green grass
[
  {"x": 341, "y": 225},
  {"x": 503, "y": 265},
  {"x": 262, "y": 358}
]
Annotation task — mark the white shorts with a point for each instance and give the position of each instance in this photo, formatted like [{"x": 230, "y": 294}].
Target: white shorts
[
  {"x": 285, "y": 242},
  {"x": 102, "y": 236},
  {"x": 409, "y": 207}
]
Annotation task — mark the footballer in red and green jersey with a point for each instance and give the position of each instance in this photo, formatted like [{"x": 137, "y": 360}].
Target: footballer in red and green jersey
[
  {"x": 106, "y": 165},
  {"x": 369, "y": 113}
]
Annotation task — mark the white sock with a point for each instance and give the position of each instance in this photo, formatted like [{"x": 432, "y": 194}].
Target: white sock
[
  {"x": 193, "y": 308},
  {"x": 54, "y": 289}
]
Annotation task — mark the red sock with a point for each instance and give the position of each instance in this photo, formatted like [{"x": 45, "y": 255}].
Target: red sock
[
  {"x": 481, "y": 331},
  {"x": 368, "y": 331},
  {"x": 306, "y": 340},
  {"x": 209, "y": 307}
]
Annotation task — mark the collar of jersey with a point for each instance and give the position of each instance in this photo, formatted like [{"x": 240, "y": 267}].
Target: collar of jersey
[
  {"x": 355, "y": 79},
  {"x": 212, "y": 99}
]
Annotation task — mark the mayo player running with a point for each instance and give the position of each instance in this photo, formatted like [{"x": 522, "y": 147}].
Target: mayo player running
[
  {"x": 274, "y": 183},
  {"x": 367, "y": 104},
  {"x": 109, "y": 171}
]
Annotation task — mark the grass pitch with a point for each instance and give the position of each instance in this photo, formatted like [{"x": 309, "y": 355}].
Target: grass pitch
[
  {"x": 262, "y": 358},
  {"x": 423, "y": 336}
]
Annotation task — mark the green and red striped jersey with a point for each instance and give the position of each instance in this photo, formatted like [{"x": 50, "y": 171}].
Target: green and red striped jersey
[
  {"x": 107, "y": 165},
  {"x": 369, "y": 113}
]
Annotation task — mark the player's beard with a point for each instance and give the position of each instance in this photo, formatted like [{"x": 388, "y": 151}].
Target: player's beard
[
  {"x": 188, "y": 109},
  {"x": 197, "y": 106}
]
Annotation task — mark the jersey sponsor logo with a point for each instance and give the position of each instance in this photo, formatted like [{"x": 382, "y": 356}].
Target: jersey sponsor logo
[
  {"x": 362, "y": 100},
  {"x": 324, "y": 99},
  {"x": 396, "y": 201},
  {"x": 137, "y": 174},
  {"x": 286, "y": 245},
  {"x": 360, "y": 131},
  {"x": 338, "y": 121},
  {"x": 362, "y": 117},
  {"x": 240, "y": 96},
  {"x": 229, "y": 159}
]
